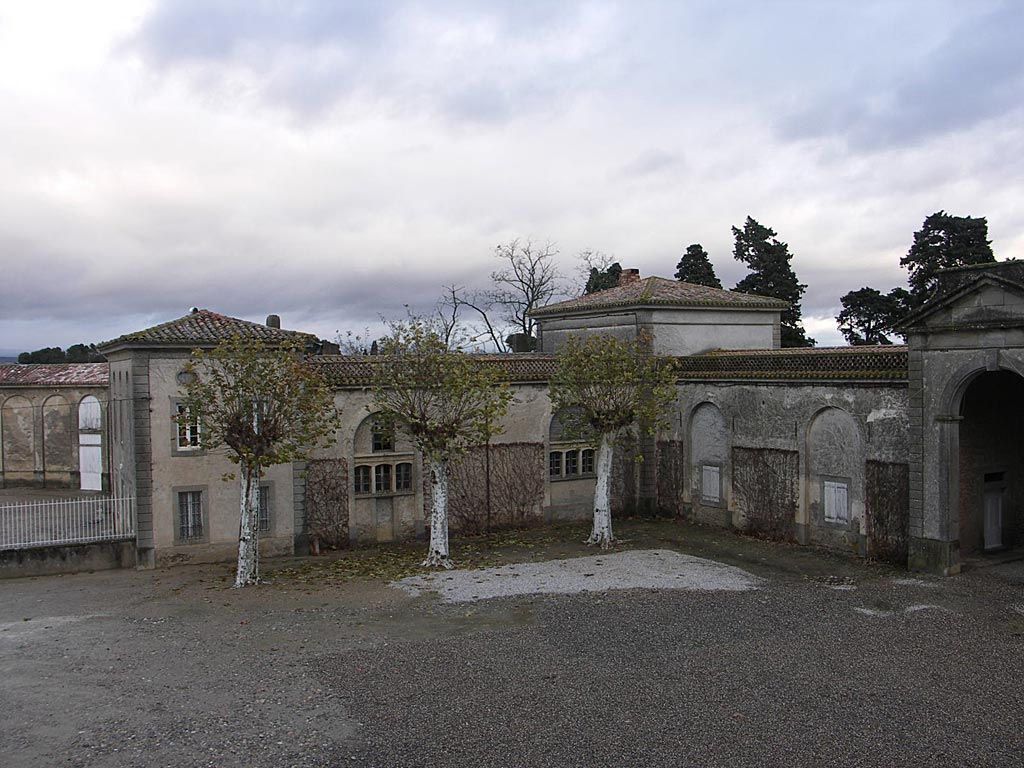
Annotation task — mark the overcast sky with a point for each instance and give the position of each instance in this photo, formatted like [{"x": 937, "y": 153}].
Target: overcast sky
[{"x": 332, "y": 161}]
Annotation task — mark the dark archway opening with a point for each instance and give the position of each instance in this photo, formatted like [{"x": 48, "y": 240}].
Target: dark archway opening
[{"x": 992, "y": 464}]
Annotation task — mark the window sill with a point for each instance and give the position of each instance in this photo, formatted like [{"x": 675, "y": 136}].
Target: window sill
[{"x": 571, "y": 478}]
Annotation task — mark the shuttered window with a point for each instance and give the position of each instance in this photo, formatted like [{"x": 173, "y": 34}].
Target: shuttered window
[
  {"x": 711, "y": 483},
  {"x": 835, "y": 502}
]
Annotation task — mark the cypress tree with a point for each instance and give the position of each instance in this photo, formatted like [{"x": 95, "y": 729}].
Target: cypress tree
[
  {"x": 695, "y": 267},
  {"x": 771, "y": 274}
]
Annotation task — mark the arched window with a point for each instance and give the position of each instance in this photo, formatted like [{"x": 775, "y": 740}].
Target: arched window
[
  {"x": 90, "y": 415},
  {"x": 569, "y": 457},
  {"x": 709, "y": 455},
  {"x": 384, "y": 460}
]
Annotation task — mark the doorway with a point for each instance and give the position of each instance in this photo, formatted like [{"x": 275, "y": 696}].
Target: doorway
[{"x": 991, "y": 512}]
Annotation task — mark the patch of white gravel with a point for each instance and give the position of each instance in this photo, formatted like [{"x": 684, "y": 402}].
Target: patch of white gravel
[
  {"x": 905, "y": 582},
  {"x": 638, "y": 569}
]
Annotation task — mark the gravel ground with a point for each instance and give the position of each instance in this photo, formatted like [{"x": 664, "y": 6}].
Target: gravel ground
[
  {"x": 642, "y": 569},
  {"x": 827, "y": 662}
]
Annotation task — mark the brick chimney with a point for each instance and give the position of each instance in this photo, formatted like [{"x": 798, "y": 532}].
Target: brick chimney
[
  {"x": 273, "y": 321},
  {"x": 628, "y": 276}
]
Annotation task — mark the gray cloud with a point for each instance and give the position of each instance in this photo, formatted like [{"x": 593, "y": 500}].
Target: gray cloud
[
  {"x": 975, "y": 74},
  {"x": 312, "y": 56},
  {"x": 333, "y": 162}
]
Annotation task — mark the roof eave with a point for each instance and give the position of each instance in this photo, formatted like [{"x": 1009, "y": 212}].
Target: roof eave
[{"x": 605, "y": 308}]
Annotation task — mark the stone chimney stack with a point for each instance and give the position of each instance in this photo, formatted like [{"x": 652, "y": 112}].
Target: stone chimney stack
[
  {"x": 273, "y": 321},
  {"x": 629, "y": 276}
]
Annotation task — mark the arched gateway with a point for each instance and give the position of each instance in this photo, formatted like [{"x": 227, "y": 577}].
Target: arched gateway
[{"x": 966, "y": 360}]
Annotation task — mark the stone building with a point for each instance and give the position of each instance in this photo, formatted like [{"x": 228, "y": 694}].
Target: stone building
[
  {"x": 903, "y": 453},
  {"x": 52, "y": 426}
]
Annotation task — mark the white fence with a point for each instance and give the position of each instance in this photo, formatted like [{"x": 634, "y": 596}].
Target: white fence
[{"x": 55, "y": 522}]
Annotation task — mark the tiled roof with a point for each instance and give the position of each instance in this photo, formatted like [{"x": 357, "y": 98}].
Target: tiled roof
[
  {"x": 865, "y": 362},
  {"x": 59, "y": 375},
  {"x": 659, "y": 291},
  {"x": 203, "y": 327},
  {"x": 342, "y": 370},
  {"x": 846, "y": 363}
]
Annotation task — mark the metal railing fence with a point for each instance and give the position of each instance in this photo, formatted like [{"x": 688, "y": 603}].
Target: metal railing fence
[{"x": 56, "y": 522}]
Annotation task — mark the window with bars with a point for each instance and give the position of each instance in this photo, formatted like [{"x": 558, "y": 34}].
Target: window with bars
[
  {"x": 835, "y": 501},
  {"x": 572, "y": 463},
  {"x": 403, "y": 477},
  {"x": 362, "y": 479},
  {"x": 382, "y": 478},
  {"x": 587, "y": 456},
  {"x": 263, "y": 515},
  {"x": 555, "y": 464},
  {"x": 188, "y": 429},
  {"x": 190, "y": 515}
]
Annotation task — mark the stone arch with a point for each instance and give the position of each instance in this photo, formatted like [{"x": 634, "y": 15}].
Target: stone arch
[
  {"x": 834, "y": 477},
  {"x": 710, "y": 465},
  {"x": 17, "y": 433},
  {"x": 986, "y": 500},
  {"x": 59, "y": 439},
  {"x": 384, "y": 482},
  {"x": 90, "y": 414},
  {"x": 570, "y": 472}
]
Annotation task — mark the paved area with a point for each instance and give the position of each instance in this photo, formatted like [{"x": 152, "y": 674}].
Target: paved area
[{"x": 827, "y": 662}]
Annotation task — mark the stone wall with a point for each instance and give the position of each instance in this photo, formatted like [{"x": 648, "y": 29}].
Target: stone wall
[{"x": 39, "y": 436}]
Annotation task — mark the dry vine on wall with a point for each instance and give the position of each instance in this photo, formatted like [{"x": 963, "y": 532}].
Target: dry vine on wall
[
  {"x": 327, "y": 503},
  {"x": 670, "y": 477},
  {"x": 517, "y": 487},
  {"x": 887, "y": 508},
  {"x": 765, "y": 483}
]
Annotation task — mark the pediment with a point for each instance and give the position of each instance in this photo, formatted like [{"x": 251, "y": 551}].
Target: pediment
[{"x": 988, "y": 301}]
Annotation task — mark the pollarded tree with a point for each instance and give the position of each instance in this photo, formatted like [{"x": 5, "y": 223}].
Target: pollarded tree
[
  {"x": 264, "y": 405},
  {"x": 605, "y": 388},
  {"x": 445, "y": 401},
  {"x": 771, "y": 274},
  {"x": 944, "y": 241},
  {"x": 870, "y": 316},
  {"x": 695, "y": 267}
]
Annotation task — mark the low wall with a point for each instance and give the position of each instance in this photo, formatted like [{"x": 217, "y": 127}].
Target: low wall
[{"x": 71, "y": 558}]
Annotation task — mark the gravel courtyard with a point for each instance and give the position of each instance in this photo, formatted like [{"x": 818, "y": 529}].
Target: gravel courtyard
[{"x": 824, "y": 661}]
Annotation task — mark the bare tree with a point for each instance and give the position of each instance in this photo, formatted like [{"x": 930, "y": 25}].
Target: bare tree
[
  {"x": 482, "y": 330},
  {"x": 589, "y": 262},
  {"x": 529, "y": 279}
]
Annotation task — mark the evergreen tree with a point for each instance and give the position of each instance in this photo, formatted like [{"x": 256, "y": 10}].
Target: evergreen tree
[
  {"x": 944, "y": 241},
  {"x": 602, "y": 280},
  {"x": 870, "y": 316},
  {"x": 771, "y": 274},
  {"x": 695, "y": 267}
]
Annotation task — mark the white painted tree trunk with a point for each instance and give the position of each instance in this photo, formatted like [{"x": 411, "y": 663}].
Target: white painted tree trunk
[
  {"x": 602, "y": 532},
  {"x": 248, "y": 529},
  {"x": 438, "y": 555}
]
